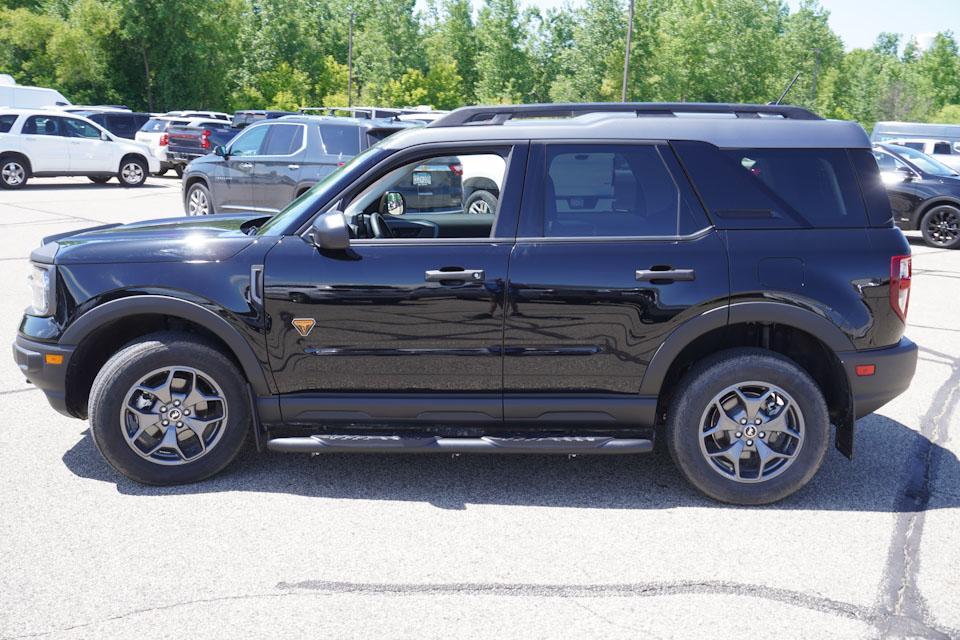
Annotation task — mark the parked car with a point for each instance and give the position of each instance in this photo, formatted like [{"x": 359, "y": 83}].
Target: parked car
[
  {"x": 213, "y": 115},
  {"x": 889, "y": 131},
  {"x": 272, "y": 162},
  {"x": 154, "y": 135},
  {"x": 245, "y": 118},
  {"x": 940, "y": 150},
  {"x": 15, "y": 96},
  {"x": 733, "y": 283},
  {"x": 195, "y": 139},
  {"x": 123, "y": 124},
  {"x": 41, "y": 143},
  {"x": 924, "y": 194}
]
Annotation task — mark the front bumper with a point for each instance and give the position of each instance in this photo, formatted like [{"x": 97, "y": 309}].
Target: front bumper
[
  {"x": 894, "y": 369},
  {"x": 30, "y": 356}
]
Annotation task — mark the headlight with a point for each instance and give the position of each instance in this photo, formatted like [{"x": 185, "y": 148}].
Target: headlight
[{"x": 42, "y": 278}]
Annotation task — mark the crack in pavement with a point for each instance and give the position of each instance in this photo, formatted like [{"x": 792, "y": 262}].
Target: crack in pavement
[{"x": 899, "y": 598}]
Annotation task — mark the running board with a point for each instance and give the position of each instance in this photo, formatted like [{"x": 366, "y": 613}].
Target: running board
[{"x": 570, "y": 445}]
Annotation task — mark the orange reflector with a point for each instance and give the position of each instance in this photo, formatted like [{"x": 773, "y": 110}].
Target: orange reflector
[
  {"x": 53, "y": 358},
  {"x": 866, "y": 369}
]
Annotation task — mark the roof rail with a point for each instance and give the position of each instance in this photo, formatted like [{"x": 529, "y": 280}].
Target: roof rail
[
  {"x": 498, "y": 114},
  {"x": 368, "y": 113}
]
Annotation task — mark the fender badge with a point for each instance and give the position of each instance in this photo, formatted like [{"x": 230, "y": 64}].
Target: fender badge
[{"x": 303, "y": 325}]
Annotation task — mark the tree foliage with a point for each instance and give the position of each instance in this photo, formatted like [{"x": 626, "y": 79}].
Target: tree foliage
[{"x": 226, "y": 54}]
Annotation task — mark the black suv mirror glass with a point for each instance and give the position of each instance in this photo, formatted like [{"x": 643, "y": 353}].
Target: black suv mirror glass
[
  {"x": 220, "y": 151},
  {"x": 329, "y": 231},
  {"x": 393, "y": 204},
  {"x": 905, "y": 173}
]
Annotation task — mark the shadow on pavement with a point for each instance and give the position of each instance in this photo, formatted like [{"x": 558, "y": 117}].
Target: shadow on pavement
[
  {"x": 873, "y": 481},
  {"x": 92, "y": 186}
]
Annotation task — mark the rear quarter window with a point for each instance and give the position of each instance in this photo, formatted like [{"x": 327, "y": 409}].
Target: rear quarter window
[
  {"x": 6, "y": 122},
  {"x": 340, "y": 140}
]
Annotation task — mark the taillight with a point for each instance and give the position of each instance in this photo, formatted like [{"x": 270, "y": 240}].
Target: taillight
[
  {"x": 205, "y": 139},
  {"x": 457, "y": 169},
  {"x": 164, "y": 140},
  {"x": 901, "y": 273}
]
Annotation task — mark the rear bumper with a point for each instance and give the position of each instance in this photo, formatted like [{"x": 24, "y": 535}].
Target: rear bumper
[
  {"x": 30, "y": 356},
  {"x": 895, "y": 367},
  {"x": 179, "y": 157}
]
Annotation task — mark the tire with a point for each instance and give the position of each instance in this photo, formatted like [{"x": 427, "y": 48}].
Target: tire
[
  {"x": 198, "y": 201},
  {"x": 99, "y": 179},
  {"x": 480, "y": 202},
  {"x": 133, "y": 172},
  {"x": 940, "y": 226},
  {"x": 178, "y": 170},
  {"x": 14, "y": 172},
  {"x": 162, "y": 172},
  {"x": 224, "y": 416},
  {"x": 700, "y": 446}
]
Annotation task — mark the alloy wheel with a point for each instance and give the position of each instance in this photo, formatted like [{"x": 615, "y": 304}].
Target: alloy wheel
[
  {"x": 751, "y": 432},
  {"x": 13, "y": 173},
  {"x": 174, "y": 415},
  {"x": 943, "y": 225},
  {"x": 479, "y": 206},
  {"x": 197, "y": 203},
  {"x": 132, "y": 173}
]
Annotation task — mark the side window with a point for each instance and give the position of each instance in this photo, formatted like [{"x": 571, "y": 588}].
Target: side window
[
  {"x": 80, "y": 129},
  {"x": 885, "y": 161},
  {"x": 942, "y": 147},
  {"x": 455, "y": 196},
  {"x": 119, "y": 124},
  {"x": 284, "y": 139},
  {"x": 918, "y": 146},
  {"x": 817, "y": 184},
  {"x": 340, "y": 139},
  {"x": 6, "y": 122},
  {"x": 608, "y": 190},
  {"x": 42, "y": 126},
  {"x": 249, "y": 142}
]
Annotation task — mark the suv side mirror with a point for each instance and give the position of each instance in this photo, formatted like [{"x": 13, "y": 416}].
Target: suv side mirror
[
  {"x": 329, "y": 231},
  {"x": 221, "y": 151},
  {"x": 393, "y": 204},
  {"x": 905, "y": 173},
  {"x": 105, "y": 136}
]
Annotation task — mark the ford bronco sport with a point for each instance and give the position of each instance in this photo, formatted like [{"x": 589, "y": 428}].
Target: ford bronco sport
[{"x": 725, "y": 277}]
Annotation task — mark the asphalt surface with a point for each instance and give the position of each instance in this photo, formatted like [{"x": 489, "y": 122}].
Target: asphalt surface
[{"x": 345, "y": 546}]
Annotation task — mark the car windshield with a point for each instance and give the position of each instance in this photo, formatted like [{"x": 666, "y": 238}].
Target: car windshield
[
  {"x": 318, "y": 193},
  {"x": 923, "y": 162}
]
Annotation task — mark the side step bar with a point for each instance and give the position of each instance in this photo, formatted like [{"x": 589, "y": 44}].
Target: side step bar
[{"x": 337, "y": 443}]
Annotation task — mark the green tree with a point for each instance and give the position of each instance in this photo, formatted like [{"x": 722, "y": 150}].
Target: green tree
[
  {"x": 940, "y": 66},
  {"x": 592, "y": 63},
  {"x": 503, "y": 68},
  {"x": 810, "y": 47}
]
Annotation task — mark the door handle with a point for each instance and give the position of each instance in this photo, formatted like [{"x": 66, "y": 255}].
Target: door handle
[
  {"x": 438, "y": 275},
  {"x": 672, "y": 275},
  {"x": 246, "y": 165},
  {"x": 293, "y": 167}
]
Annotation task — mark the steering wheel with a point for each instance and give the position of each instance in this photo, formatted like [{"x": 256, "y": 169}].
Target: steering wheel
[{"x": 379, "y": 226}]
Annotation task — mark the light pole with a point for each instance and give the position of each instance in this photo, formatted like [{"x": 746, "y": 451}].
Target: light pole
[
  {"x": 626, "y": 55},
  {"x": 350, "y": 62}
]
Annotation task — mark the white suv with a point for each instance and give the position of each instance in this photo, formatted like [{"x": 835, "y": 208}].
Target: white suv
[{"x": 45, "y": 143}]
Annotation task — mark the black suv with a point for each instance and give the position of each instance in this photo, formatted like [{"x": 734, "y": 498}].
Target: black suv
[
  {"x": 273, "y": 161},
  {"x": 924, "y": 193},
  {"x": 732, "y": 282}
]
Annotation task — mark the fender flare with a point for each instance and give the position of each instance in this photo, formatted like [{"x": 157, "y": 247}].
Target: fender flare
[
  {"x": 178, "y": 308},
  {"x": 738, "y": 313}
]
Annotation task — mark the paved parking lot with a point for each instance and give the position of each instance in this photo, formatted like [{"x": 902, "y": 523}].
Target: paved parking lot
[{"x": 402, "y": 546}]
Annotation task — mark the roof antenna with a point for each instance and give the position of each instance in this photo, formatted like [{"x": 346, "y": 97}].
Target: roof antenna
[{"x": 787, "y": 90}]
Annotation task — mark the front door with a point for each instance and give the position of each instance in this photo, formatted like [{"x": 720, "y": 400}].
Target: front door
[
  {"x": 276, "y": 171},
  {"x": 233, "y": 182},
  {"x": 613, "y": 253},
  {"x": 407, "y": 324},
  {"x": 88, "y": 153}
]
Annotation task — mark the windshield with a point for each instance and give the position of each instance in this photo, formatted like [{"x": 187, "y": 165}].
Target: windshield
[
  {"x": 307, "y": 203},
  {"x": 924, "y": 162}
]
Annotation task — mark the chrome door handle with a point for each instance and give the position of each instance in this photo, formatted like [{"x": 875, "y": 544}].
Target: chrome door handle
[
  {"x": 646, "y": 275},
  {"x": 246, "y": 165},
  {"x": 293, "y": 167},
  {"x": 437, "y": 275}
]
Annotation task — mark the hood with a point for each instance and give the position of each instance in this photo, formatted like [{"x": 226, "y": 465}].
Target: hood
[{"x": 195, "y": 239}]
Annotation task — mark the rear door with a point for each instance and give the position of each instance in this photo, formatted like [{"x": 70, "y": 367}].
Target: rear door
[
  {"x": 614, "y": 252},
  {"x": 276, "y": 171},
  {"x": 330, "y": 145}
]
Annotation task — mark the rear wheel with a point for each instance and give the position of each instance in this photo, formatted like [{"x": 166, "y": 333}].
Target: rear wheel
[
  {"x": 169, "y": 409},
  {"x": 481, "y": 203},
  {"x": 941, "y": 227},
  {"x": 133, "y": 172},
  {"x": 198, "y": 201},
  {"x": 749, "y": 427},
  {"x": 13, "y": 172},
  {"x": 178, "y": 170},
  {"x": 99, "y": 179}
]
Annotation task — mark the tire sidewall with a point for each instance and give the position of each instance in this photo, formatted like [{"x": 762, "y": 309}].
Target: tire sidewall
[
  {"x": 26, "y": 173},
  {"x": 715, "y": 375},
  {"x": 199, "y": 186},
  {"x": 126, "y": 368},
  {"x": 926, "y": 236},
  {"x": 143, "y": 169},
  {"x": 481, "y": 194}
]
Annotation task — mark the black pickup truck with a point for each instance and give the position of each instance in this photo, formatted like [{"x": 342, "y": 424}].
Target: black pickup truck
[{"x": 186, "y": 142}]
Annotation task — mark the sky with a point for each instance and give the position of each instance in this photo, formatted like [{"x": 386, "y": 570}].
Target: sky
[{"x": 858, "y": 22}]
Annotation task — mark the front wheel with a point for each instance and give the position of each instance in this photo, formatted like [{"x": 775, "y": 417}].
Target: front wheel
[
  {"x": 198, "y": 201},
  {"x": 748, "y": 427},
  {"x": 133, "y": 172},
  {"x": 941, "y": 227},
  {"x": 481, "y": 203},
  {"x": 169, "y": 409}
]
